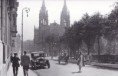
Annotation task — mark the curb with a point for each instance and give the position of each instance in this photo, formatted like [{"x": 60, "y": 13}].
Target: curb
[
  {"x": 102, "y": 65},
  {"x": 109, "y": 66}
]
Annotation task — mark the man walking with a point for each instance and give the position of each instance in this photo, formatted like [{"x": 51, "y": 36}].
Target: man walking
[
  {"x": 25, "y": 61},
  {"x": 15, "y": 64}
]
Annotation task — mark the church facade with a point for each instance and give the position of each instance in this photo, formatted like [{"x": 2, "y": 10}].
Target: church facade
[{"x": 45, "y": 30}]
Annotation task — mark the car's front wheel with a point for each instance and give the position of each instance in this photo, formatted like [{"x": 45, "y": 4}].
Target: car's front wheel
[{"x": 48, "y": 63}]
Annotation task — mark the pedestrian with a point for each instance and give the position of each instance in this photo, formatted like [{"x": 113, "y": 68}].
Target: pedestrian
[
  {"x": 11, "y": 56},
  {"x": 80, "y": 61},
  {"x": 90, "y": 58},
  {"x": 15, "y": 64},
  {"x": 25, "y": 61}
]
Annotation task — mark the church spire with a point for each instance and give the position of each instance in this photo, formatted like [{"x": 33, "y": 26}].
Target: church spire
[
  {"x": 64, "y": 7},
  {"x": 65, "y": 3},
  {"x": 43, "y": 5},
  {"x": 65, "y": 16}
]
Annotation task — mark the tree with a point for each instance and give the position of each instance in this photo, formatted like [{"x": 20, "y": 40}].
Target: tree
[
  {"x": 91, "y": 29},
  {"x": 89, "y": 36},
  {"x": 73, "y": 37},
  {"x": 111, "y": 29},
  {"x": 96, "y": 24}
]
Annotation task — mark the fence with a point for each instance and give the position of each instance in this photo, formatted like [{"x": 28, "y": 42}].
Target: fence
[{"x": 105, "y": 58}]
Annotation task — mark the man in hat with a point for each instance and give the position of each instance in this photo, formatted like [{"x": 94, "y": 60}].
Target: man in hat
[
  {"x": 25, "y": 61},
  {"x": 15, "y": 64}
]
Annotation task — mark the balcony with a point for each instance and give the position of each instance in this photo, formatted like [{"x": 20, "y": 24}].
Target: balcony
[
  {"x": 14, "y": 31},
  {"x": 13, "y": 4}
]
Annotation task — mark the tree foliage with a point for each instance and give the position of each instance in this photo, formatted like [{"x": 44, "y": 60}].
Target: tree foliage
[{"x": 90, "y": 29}]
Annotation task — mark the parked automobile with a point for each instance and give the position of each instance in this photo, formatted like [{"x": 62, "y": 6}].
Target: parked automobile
[{"x": 38, "y": 60}]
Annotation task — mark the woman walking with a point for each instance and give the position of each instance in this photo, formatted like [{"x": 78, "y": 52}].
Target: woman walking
[{"x": 80, "y": 61}]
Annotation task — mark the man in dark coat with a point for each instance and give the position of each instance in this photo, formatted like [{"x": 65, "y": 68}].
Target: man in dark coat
[
  {"x": 25, "y": 62},
  {"x": 15, "y": 64}
]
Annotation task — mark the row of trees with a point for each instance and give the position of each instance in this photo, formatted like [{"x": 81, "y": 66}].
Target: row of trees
[
  {"x": 96, "y": 33},
  {"x": 90, "y": 30}
]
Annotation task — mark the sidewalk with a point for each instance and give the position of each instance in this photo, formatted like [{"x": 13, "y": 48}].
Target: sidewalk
[{"x": 20, "y": 72}]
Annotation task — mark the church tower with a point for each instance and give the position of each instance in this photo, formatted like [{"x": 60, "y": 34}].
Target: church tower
[
  {"x": 41, "y": 33},
  {"x": 43, "y": 15},
  {"x": 65, "y": 16}
]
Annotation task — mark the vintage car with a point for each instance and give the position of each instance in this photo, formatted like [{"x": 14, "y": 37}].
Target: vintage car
[
  {"x": 38, "y": 60},
  {"x": 63, "y": 58}
]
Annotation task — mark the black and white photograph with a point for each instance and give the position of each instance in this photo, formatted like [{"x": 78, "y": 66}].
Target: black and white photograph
[{"x": 58, "y": 37}]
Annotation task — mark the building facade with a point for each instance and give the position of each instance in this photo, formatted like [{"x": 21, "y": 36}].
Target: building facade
[
  {"x": 16, "y": 46},
  {"x": 45, "y": 29},
  {"x": 8, "y": 30}
]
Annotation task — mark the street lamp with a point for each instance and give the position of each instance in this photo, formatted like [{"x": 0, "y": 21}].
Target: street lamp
[{"x": 27, "y": 11}]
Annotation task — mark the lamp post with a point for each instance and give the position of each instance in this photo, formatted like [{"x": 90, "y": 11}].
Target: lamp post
[{"x": 27, "y": 11}]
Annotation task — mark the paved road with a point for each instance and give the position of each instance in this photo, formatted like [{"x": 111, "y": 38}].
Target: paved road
[{"x": 72, "y": 70}]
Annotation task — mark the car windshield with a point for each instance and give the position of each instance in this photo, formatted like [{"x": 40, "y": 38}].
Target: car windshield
[
  {"x": 41, "y": 55},
  {"x": 38, "y": 55}
]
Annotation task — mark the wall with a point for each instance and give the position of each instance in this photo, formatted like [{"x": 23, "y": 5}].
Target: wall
[{"x": 6, "y": 32}]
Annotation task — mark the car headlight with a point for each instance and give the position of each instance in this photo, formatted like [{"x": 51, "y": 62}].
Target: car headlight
[
  {"x": 41, "y": 61},
  {"x": 34, "y": 61}
]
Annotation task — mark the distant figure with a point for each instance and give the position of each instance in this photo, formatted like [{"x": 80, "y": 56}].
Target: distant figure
[
  {"x": 66, "y": 59},
  {"x": 25, "y": 61},
  {"x": 80, "y": 61},
  {"x": 90, "y": 58},
  {"x": 11, "y": 56},
  {"x": 15, "y": 64}
]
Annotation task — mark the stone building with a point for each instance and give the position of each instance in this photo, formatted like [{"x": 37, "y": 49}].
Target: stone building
[
  {"x": 45, "y": 29},
  {"x": 8, "y": 30},
  {"x": 16, "y": 46}
]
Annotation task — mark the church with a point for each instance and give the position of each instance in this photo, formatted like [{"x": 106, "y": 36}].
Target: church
[{"x": 54, "y": 29}]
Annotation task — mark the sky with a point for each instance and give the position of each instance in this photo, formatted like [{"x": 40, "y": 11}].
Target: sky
[{"x": 77, "y": 9}]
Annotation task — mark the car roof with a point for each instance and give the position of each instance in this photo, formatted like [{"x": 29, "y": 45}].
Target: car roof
[{"x": 38, "y": 52}]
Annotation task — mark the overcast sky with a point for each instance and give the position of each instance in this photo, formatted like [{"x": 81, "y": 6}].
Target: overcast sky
[{"x": 76, "y": 8}]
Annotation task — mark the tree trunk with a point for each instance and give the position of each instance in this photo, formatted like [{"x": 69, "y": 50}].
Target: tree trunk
[
  {"x": 114, "y": 47},
  {"x": 88, "y": 50},
  {"x": 98, "y": 45},
  {"x": 89, "y": 44}
]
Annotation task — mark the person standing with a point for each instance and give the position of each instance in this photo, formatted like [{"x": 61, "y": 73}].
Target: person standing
[
  {"x": 15, "y": 64},
  {"x": 25, "y": 61},
  {"x": 80, "y": 61}
]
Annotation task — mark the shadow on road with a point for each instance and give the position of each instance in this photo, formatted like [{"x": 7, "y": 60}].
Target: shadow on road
[
  {"x": 76, "y": 72},
  {"x": 61, "y": 64},
  {"x": 37, "y": 68}
]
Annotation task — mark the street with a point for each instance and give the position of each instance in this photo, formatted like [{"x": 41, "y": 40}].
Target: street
[{"x": 72, "y": 70}]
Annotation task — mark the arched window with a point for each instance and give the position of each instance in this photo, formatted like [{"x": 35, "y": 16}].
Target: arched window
[{"x": 65, "y": 23}]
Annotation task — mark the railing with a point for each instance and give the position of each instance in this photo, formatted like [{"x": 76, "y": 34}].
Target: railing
[{"x": 105, "y": 58}]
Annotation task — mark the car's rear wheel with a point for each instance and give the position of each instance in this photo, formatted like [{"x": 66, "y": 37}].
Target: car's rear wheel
[
  {"x": 59, "y": 61},
  {"x": 32, "y": 65}
]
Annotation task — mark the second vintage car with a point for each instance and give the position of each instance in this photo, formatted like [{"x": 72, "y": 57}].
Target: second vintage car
[{"x": 38, "y": 60}]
